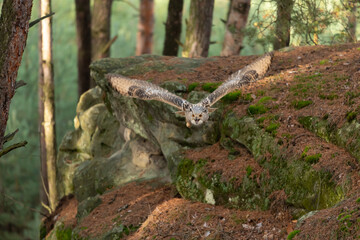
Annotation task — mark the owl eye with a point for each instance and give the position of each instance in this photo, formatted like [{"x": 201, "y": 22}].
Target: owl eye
[
  {"x": 193, "y": 115},
  {"x": 200, "y": 115}
]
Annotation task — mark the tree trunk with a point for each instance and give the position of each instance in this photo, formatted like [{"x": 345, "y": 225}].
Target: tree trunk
[
  {"x": 47, "y": 108},
  {"x": 352, "y": 21},
  {"x": 14, "y": 27},
  {"x": 237, "y": 19},
  {"x": 198, "y": 28},
  {"x": 173, "y": 28},
  {"x": 283, "y": 23},
  {"x": 100, "y": 29},
  {"x": 83, "y": 34},
  {"x": 144, "y": 38}
]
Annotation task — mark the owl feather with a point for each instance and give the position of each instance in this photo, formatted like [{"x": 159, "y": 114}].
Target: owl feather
[{"x": 195, "y": 114}]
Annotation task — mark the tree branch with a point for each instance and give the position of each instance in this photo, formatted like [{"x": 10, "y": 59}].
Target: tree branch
[
  {"x": 33, "y": 23},
  {"x": 12, "y": 147}
]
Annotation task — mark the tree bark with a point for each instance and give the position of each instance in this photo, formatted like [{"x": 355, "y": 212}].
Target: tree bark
[
  {"x": 352, "y": 21},
  {"x": 237, "y": 19},
  {"x": 283, "y": 23},
  {"x": 83, "y": 34},
  {"x": 14, "y": 27},
  {"x": 47, "y": 108},
  {"x": 198, "y": 29},
  {"x": 100, "y": 29},
  {"x": 144, "y": 38},
  {"x": 173, "y": 28}
]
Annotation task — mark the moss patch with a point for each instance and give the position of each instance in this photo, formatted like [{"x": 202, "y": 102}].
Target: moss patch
[
  {"x": 292, "y": 234},
  {"x": 210, "y": 87},
  {"x": 301, "y": 104}
]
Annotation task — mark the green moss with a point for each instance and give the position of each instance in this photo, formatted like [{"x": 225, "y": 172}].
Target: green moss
[
  {"x": 323, "y": 62},
  {"x": 312, "y": 159},
  {"x": 231, "y": 97},
  {"x": 247, "y": 97},
  {"x": 329, "y": 97},
  {"x": 272, "y": 128},
  {"x": 257, "y": 109},
  {"x": 66, "y": 234},
  {"x": 292, "y": 234},
  {"x": 192, "y": 86},
  {"x": 249, "y": 170},
  {"x": 350, "y": 116},
  {"x": 260, "y": 120},
  {"x": 358, "y": 200},
  {"x": 260, "y": 93},
  {"x": 264, "y": 100},
  {"x": 301, "y": 104},
  {"x": 210, "y": 87}
]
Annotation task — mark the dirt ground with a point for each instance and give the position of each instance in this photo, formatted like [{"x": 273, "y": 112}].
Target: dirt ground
[{"x": 151, "y": 212}]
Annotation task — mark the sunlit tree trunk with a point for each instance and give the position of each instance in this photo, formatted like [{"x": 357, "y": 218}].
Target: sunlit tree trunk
[
  {"x": 100, "y": 29},
  {"x": 283, "y": 23},
  {"x": 173, "y": 28},
  {"x": 83, "y": 34},
  {"x": 14, "y": 27},
  {"x": 352, "y": 21},
  {"x": 47, "y": 109},
  {"x": 144, "y": 38},
  {"x": 198, "y": 28},
  {"x": 236, "y": 22}
]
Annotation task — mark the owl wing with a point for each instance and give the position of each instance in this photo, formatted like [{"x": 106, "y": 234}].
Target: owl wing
[
  {"x": 246, "y": 75},
  {"x": 144, "y": 90}
]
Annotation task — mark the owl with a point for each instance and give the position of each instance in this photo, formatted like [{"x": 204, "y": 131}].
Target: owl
[{"x": 195, "y": 114}]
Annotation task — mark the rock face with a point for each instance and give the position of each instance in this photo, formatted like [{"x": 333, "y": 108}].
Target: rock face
[{"x": 118, "y": 140}]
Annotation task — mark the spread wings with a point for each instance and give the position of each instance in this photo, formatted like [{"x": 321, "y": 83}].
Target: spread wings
[
  {"x": 144, "y": 90},
  {"x": 246, "y": 75}
]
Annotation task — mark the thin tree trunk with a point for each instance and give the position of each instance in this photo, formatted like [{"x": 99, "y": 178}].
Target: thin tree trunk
[
  {"x": 100, "y": 29},
  {"x": 14, "y": 27},
  {"x": 283, "y": 23},
  {"x": 173, "y": 28},
  {"x": 144, "y": 38},
  {"x": 198, "y": 28},
  {"x": 352, "y": 22},
  {"x": 237, "y": 19},
  {"x": 83, "y": 33},
  {"x": 47, "y": 108}
]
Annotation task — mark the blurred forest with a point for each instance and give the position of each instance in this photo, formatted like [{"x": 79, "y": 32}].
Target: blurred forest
[{"x": 313, "y": 22}]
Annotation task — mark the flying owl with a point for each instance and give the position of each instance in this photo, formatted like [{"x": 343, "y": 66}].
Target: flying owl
[{"x": 195, "y": 114}]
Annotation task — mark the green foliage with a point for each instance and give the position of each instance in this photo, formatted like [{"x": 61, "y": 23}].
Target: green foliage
[
  {"x": 329, "y": 96},
  {"x": 350, "y": 116},
  {"x": 192, "y": 86},
  {"x": 210, "y": 87},
  {"x": 292, "y": 234},
  {"x": 272, "y": 128},
  {"x": 231, "y": 97},
  {"x": 249, "y": 170},
  {"x": 312, "y": 159},
  {"x": 323, "y": 62},
  {"x": 301, "y": 104},
  {"x": 259, "y": 107}
]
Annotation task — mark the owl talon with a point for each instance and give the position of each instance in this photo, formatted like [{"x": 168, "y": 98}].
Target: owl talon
[{"x": 188, "y": 124}]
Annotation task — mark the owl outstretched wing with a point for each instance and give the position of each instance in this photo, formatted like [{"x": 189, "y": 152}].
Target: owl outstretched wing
[
  {"x": 246, "y": 75},
  {"x": 145, "y": 91}
]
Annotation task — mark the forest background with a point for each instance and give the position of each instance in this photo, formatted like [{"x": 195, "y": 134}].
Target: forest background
[{"x": 19, "y": 171}]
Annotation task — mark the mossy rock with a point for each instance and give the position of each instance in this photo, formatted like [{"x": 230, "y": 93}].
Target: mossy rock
[
  {"x": 307, "y": 189},
  {"x": 347, "y": 136}
]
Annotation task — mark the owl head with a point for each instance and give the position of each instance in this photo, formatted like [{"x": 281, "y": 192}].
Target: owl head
[{"x": 196, "y": 114}]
